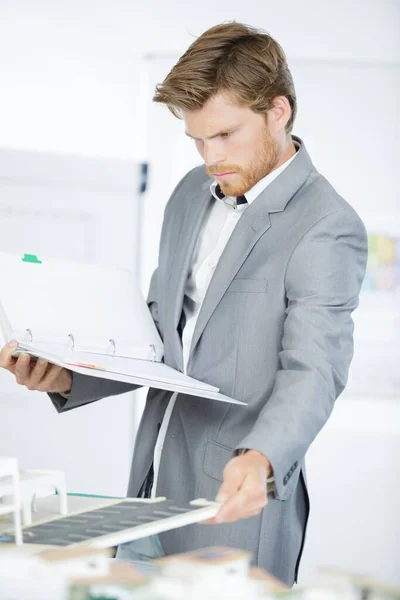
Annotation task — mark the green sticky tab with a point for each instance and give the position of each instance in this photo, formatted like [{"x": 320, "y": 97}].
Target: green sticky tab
[{"x": 31, "y": 258}]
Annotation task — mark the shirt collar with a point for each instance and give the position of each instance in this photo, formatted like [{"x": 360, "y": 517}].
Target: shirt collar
[{"x": 260, "y": 186}]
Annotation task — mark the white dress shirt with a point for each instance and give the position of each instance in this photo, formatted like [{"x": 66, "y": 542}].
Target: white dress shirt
[{"x": 219, "y": 224}]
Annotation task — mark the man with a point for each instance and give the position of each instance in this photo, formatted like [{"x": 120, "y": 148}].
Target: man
[{"x": 259, "y": 272}]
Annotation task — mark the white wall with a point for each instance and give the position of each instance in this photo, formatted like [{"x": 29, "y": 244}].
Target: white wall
[
  {"x": 361, "y": 30},
  {"x": 70, "y": 102},
  {"x": 62, "y": 92},
  {"x": 82, "y": 210},
  {"x": 69, "y": 84},
  {"x": 354, "y": 488}
]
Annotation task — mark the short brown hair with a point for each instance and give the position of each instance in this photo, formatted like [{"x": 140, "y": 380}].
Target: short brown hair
[{"x": 234, "y": 58}]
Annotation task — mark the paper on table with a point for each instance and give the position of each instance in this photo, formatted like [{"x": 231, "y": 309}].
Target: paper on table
[{"x": 121, "y": 521}]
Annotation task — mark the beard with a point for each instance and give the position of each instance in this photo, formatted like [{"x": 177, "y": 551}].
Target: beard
[{"x": 263, "y": 162}]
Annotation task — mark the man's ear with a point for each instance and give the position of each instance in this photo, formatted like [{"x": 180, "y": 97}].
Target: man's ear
[{"x": 279, "y": 114}]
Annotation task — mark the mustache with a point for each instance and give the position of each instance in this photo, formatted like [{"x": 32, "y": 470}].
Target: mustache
[{"x": 222, "y": 169}]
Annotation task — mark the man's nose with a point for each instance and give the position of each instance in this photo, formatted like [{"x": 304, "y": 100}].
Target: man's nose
[{"x": 213, "y": 155}]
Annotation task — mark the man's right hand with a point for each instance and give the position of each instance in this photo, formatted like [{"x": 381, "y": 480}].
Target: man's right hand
[{"x": 35, "y": 374}]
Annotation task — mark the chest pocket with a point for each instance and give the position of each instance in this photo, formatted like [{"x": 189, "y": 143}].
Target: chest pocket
[{"x": 249, "y": 286}]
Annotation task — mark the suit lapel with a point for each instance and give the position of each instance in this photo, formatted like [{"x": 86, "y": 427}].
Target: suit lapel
[
  {"x": 197, "y": 207},
  {"x": 254, "y": 223}
]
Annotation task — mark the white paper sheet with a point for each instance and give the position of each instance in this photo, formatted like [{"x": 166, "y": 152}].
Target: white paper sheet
[{"x": 57, "y": 301}]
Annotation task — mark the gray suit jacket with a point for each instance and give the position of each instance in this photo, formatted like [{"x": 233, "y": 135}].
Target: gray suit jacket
[{"x": 275, "y": 331}]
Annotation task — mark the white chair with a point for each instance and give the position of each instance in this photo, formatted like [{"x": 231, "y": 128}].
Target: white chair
[
  {"x": 11, "y": 504},
  {"x": 36, "y": 483}
]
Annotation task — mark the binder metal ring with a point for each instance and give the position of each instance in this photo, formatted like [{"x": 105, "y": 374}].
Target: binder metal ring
[
  {"x": 114, "y": 348},
  {"x": 72, "y": 341},
  {"x": 29, "y": 331},
  {"x": 153, "y": 348}
]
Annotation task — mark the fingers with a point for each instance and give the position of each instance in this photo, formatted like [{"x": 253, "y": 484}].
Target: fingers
[
  {"x": 41, "y": 377},
  {"x": 233, "y": 511},
  {"x": 49, "y": 381},
  {"x": 7, "y": 361},
  {"x": 243, "y": 492},
  {"x": 218, "y": 521},
  {"x": 36, "y": 373},
  {"x": 233, "y": 479},
  {"x": 247, "y": 502},
  {"x": 31, "y": 372},
  {"x": 208, "y": 522},
  {"x": 22, "y": 368}
]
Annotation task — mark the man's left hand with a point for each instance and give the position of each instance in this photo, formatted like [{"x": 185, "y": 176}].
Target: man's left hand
[{"x": 244, "y": 488}]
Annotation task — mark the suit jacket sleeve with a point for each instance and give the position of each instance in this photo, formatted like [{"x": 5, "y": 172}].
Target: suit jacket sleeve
[
  {"x": 86, "y": 389},
  {"x": 322, "y": 281}
]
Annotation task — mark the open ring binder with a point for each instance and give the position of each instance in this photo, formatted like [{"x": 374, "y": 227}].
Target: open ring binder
[
  {"x": 72, "y": 341},
  {"x": 100, "y": 326},
  {"x": 153, "y": 348},
  {"x": 72, "y": 345},
  {"x": 114, "y": 348}
]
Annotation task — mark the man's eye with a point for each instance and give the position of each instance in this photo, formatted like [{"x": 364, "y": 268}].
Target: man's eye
[{"x": 226, "y": 134}]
